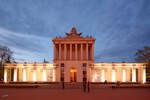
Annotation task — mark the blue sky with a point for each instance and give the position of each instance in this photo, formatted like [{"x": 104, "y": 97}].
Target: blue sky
[{"x": 120, "y": 27}]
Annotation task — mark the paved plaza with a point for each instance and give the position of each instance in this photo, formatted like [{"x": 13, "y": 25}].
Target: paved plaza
[{"x": 74, "y": 94}]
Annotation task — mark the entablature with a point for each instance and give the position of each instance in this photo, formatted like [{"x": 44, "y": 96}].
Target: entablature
[
  {"x": 119, "y": 65},
  {"x": 29, "y": 65}
]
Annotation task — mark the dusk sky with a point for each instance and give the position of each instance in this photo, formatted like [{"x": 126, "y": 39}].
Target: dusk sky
[{"x": 120, "y": 27}]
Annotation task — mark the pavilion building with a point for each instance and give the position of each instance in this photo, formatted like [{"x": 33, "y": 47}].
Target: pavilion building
[{"x": 74, "y": 62}]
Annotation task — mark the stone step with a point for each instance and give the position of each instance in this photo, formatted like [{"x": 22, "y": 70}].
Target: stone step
[{"x": 74, "y": 86}]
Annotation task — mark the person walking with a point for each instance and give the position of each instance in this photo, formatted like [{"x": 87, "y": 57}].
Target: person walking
[
  {"x": 84, "y": 86},
  {"x": 88, "y": 86}
]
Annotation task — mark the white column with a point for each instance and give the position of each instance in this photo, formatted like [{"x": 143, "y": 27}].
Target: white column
[
  {"x": 133, "y": 75},
  {"x": 144, "y": 75},
  {"x": 81, "y": 51},
  {"x": 76, "y": 51},
  {"x": 87, "y": 52},
  {"x": 15, "y": 75},
  {"x": 34, "y": 75},
  {"x": 123, "y": 75},
  {"x": 59, "y": 51},
  {"x": 113, "y": 75},
  {"x": 5, "y": 75},
  {"x": 70, "y": 51},
  {"x": 65, "y": 51},
  {"x": 44, "y": 75},
  {"x": 24, "y": 75},
  {"x": 102, "y": 75}
]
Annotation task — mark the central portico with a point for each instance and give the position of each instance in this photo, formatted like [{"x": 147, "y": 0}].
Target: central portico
[{"x": 72, "y": 55}]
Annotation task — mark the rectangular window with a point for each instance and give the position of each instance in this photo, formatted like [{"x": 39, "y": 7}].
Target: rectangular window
[
  {"x": 62, "y": 64},
  {"x": 84, "y": 64},
  {"x": 84, "y": 72}
]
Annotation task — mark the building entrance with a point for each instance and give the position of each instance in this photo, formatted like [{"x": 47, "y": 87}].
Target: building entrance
[{"x": 73, "y": 74}]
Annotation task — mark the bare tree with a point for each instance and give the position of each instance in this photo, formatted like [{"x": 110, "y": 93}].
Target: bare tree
[
  {"x": 144, "y": 56},
  {"x": 5, "y": 56}
]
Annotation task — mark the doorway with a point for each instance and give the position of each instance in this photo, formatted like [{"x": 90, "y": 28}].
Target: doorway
[{"x": 73, "y": 74}]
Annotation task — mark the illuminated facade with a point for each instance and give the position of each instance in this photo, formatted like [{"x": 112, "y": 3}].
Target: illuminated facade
[{"x": 74, "y": 62}]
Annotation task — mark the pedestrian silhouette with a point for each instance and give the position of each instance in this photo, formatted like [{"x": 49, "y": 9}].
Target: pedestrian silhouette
[
  {"x": 84, "y": 86},
  {"x": 88, "y": 86},
  {"x": 63, "y": 85}
]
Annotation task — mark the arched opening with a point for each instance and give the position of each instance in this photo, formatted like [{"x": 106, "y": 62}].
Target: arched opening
[{"x": 73, "y": 74}]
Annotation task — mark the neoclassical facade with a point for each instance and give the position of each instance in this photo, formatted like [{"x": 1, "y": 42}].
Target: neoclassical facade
[{"x": 74, "y": 62}]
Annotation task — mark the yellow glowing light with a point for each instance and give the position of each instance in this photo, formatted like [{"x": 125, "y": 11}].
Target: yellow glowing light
[
  {"x": 124, "y": 75},
  {"x": 144, "y": 76},
  {"x": 24, "y": 75},
  {"x": 53, "y": 75},
  {"x": 95, "y": 77},
  {"x": 44, "y": 75},
  {"x": 15, "y": 75},
  {"x": 133, "y": 75},
  {"x": 5, "y": 75},
  {"x": 103, "y": 76},
  {"x": 34, "y": 76},
  {"x": 113, "y": 76}
]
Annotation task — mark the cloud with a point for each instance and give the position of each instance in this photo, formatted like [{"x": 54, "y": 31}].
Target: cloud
[
  {"x": 119, "y": 26},
  {"x": 25, "y": 45}
]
